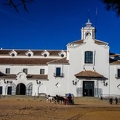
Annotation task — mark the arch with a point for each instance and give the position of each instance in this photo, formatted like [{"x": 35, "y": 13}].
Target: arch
[
  {"x": 29, "y": 88},
  {"x": 10, "y": 89},
  {"x": 87, "y": 34},
  {"x": 20, "y": 89}
]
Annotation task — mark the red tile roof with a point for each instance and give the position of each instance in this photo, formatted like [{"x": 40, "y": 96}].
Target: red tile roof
[
  {"x": 114, "y": 55},
  {"x": 100, "y": 42},
  {"x": 117, "y": 62},
  {"x": 89, "y": 74},
  {"x": 35, "y": 52},
  {"x": 59, "y": 61},
  {"x": 33, "y": 76},
  {"x": 29, "y": 76},
  {"x": 25, "y": 61},
  {"x": 96, "y": 41},
  {"x": 8, "y": 76}
]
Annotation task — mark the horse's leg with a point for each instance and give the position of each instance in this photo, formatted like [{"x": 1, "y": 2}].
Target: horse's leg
[
  {"x": 58, "y": 101},
  {"x": 54, "y": 100},
  {"x": 49, "y": 100},
  {"x": 61, "y": 101}
]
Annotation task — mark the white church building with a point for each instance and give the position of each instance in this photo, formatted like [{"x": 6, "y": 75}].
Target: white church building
[{"x": 85, "y": 68}]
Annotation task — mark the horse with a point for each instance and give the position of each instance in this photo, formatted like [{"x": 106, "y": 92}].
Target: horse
[
  {"x": 50, "y": 99},
  {"x": 60, "y": 99}
]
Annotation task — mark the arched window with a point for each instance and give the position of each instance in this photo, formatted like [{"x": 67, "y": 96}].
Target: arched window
[
  {"x": 89, "y": 57},
  {"x": 87, "y": 34}
]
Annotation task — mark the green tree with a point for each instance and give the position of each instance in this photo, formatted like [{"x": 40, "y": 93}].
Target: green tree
[
  {"x": 113, "y": 4},
  {"x": 15, "y": 5}
]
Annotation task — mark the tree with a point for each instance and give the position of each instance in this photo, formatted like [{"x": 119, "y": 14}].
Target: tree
[
  {"x": 12, "y": 3},
  {"x": 113, "y": 4}
]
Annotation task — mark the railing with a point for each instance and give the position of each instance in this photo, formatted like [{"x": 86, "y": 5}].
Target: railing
[
  {"x": 117, "y": 76},
  {"x": 58, "y": 75}
]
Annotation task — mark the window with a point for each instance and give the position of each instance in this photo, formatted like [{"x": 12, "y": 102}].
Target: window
[
  {"x": 45, "y": 55},
  {"x": 25, "y": 70},
  {"x": 13, "y": 54},
  {"x": 118, "y": 73},
  {"x": 42, "y": 71},
  {"x": 88, "y": 34},
  {"x": 0, "y": 90},
  {"x": 58, "y": 71},
  {"x": 89, "y": 57},
  {"x": 29, "y": 54},
  {"x": 62, "y": 55},
  {"x": 7, "y": 70}
]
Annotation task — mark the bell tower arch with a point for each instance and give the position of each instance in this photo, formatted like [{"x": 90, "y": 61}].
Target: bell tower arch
[{"x": 88, "y": 30}]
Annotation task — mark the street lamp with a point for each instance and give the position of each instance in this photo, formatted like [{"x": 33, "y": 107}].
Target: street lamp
[{"x": 39, "y": 83}]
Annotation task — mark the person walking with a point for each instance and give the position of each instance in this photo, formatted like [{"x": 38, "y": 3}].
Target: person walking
[
  {"x": 111, "y": 100},
  {"x": 116, "y": 100}
]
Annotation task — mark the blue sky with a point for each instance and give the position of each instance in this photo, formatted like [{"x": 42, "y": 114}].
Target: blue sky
[{"x": 51, "y": 24}]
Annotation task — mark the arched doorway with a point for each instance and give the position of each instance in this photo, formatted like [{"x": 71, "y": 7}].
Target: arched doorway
[
  {"x": 9, "y": 90},
  {"x": 21, "y": 88}
]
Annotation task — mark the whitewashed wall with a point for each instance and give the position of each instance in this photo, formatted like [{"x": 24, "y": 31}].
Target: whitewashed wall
[
  {"x": 114, "y": 82},
  {"x": 63, "y": 88},
  {"x": 101, "y": 63}
]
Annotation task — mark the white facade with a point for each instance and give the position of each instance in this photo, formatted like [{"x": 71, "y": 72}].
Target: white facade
[{"x": 86, "y": 68}]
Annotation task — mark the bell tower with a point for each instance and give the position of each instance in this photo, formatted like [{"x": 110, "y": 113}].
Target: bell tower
[{"x": 88, "y": 30}]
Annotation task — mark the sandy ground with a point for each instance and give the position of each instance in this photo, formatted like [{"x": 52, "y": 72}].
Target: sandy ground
[{"x": 28, "y": 108}]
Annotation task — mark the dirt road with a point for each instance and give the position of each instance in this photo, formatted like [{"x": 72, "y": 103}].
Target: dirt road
[{"x": 38, "y": 109}]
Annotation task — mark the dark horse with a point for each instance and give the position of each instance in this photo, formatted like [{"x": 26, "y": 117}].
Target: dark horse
[{"x": 60, "y": 99}]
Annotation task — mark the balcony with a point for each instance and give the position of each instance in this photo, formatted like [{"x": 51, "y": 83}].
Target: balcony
[
  {"x": 58, "y": 75},
  {"x": 117, "y": 76}
]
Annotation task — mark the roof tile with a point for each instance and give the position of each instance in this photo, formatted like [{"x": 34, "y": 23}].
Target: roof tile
[
  {"x": 89, "y": 73},
  {"x": 31, "y": 76},
  {"x": 35, "y": 52},
  {"x": 96, "y": 41},
  {"x": 25, "y": 61},
  {"x": 58, "y": 61}
]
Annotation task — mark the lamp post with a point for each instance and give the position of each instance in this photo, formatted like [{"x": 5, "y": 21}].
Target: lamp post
[
  {"x": 7, "y": 83},
  {"x": 39, "y": 84},
  {"x": 75, "y": 82}
]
